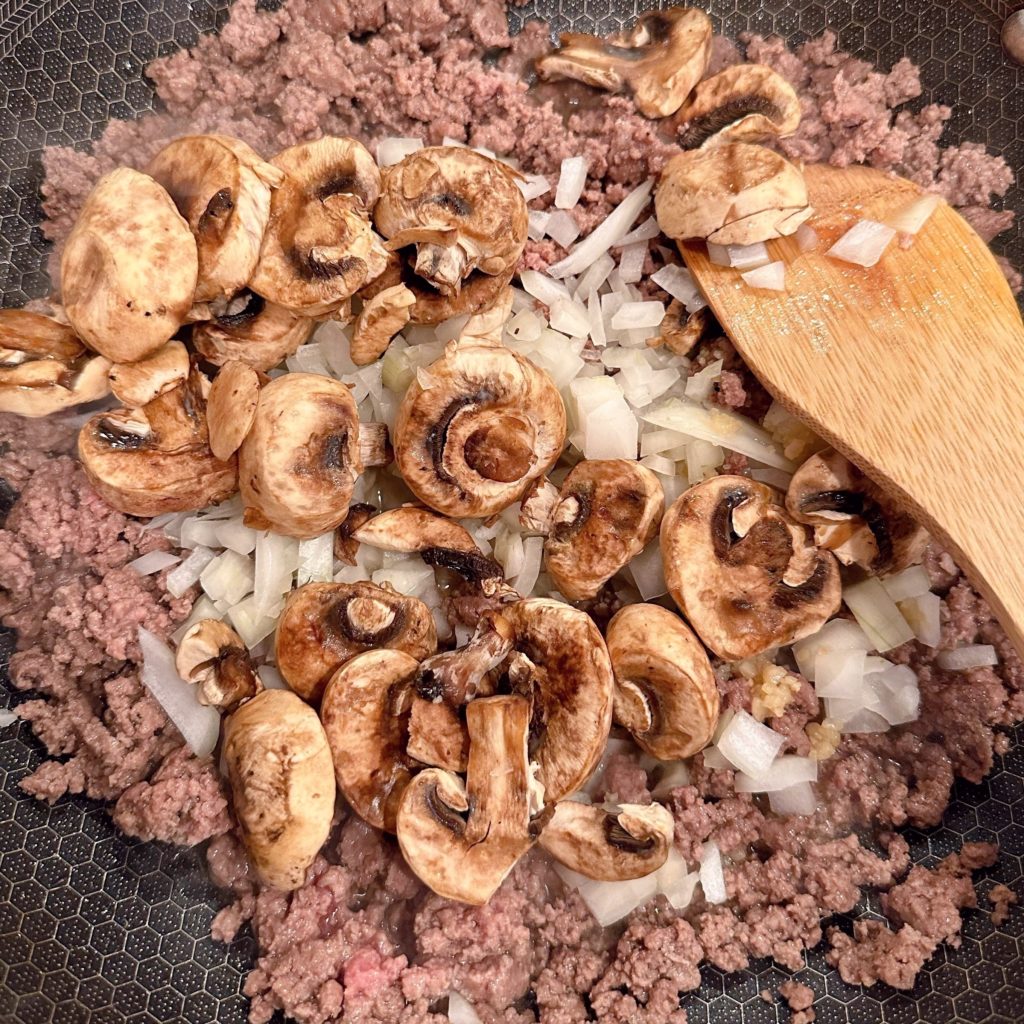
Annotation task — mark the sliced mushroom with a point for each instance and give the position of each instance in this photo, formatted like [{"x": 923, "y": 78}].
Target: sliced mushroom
[
  {"x": 682, "y": 332},
  {"x": 253, "y": 331},
  {"x": 488, "y": 423},
  {"x": 138, "y": 384},
  {"x": 44, "y": 367},
  {"x": 319, "y": 248},
  {"x": 731, "y": 194},
  {"x": 437, "y": 736},
  {"x": 460, "y": 676},
  {"x": 212, "y": 655},
  {"x": 156, "y": 459},
  {"x": 282, "y": 784},
  {"x": 464, "y": 220},
  {"x": 742, "y": 571},
  {"x": 607, "y": 512},
  {"x": 365, "y": 712},
  {"x": 380, "y": 319},
  {"x": 665, "y": 690},
  {"x": 462, "y": 840},
  {"x": 852, "y": 516},
  {"x": 346, "y": 547},
  {"x": 609, "y": 845},
  {"x": 743, "y": 103},
  {"x": 324, "y": 625},
  {"x": 565, "y": 669},
  {"x": 660, "y": 59},
  {"x": 128, "y": 272},
  {"x": 231, "y": 407},
  {"x": 222, "y": 188},
  {"x": 489, "y": 326}
]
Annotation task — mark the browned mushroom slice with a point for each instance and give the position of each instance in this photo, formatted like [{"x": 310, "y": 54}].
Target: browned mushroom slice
[
  {"x": 659, "y": 60},
  {"x": 222, "y": 188},
  {"x": 129, "y": 267},
  {"x": 665, "y": 690},
  {"x": 380, "y": 319},
  {"x": 485, "y": 423},
  {"x": 346, "y": 547},
  {"x": 324, "y": 625},
  {"x": 252, "y": 331},
  {"x": 852, "y": 516},
  {"x": 462, "y": 675},
  {"x": 437, "y": 736},
  {"x": 610, "y": 846},
  {"x": 731, "y": 194},
  {"x": 458, "y": 221},
  {"x": 212, "y": 655},
  {"x": 742, "y": 571},
  {"x": 138, "y": 384},
  {"x": 743, "y": 103},
  {"x": 320, "y": 248},
  {"x": 231, "y": 407},
  {"x": 462, "y": 840},
  {"x": 607, "y": 512},
  {"x": 365, "y": 713},
  {"x": 681, "y": 331}
]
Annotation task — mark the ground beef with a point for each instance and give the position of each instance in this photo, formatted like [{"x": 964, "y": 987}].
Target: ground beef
[
  {"x": 1002, "y": 897},
  {"x": 624, "y": 781},
  {"x": 800, "y": 998}
]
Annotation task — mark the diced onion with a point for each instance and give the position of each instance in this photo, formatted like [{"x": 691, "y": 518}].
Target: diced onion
[
  {"x": 862, "y": 721},
  {"x": 797, "y": 799},
  {"x": 642, "y": 233},
  {"x": 679, "y": 283},
  {"x": 395, "y": 149},
  {"x": 770, "y": 278},
  {"x": 198, "y": 725},
  {"x": 537, "y": 224},
  {"x": 714, "y": 759},
  {"x": 309, "y": 359},
  {"x": 251, "y": 624},
  {"x": 909, "y": 219},
  {"x": 533, "y": 555},
  {"x": 970, "y": 656},
  {"x": 648, "y": 572},
  {"x": 638, "y": 314},
  {"x": 742, "y": 257},
  {"x": 673, "y": 775},
  {"x": 7, "y": 718},
  {"x": 835, "y": 635},
  {"x": 543, "y": 288},
  {"x": 569, "y": 317},
  {"x": 228, "y": 578},
  {"x": 316, "y": 559},
  {"x": 161, "y": 522},
  {"x": 712, "y": 877},
  {"x": 912, "y": 582},
  {"x": 596, "y": 275},
  {"x": 562, "y": 228},
  {"x": 460, "y": 1011},
  {"x": 187, "y": 574},
  {"x": 153, "y": 561},
  {"x": 234, "y": 534},
  {"x": 863, "y": 244},
  {"x": 608, "y": 428},
  {"x": 276, "y": 561},
  {"x": 675, "y": 881},
  {"x": 572, "y": 179},
  {"x": 924, "y": 616},
  {"x": 748, "y": 745},
  {"x": 896, "y": 695},
  {"x": 700, "y": 384},
  {"x": 806, "y": 238},
  {"x": 839, "y": 673},
  {"x": 783, "y": 772},
  {"x": 631, "y": 262},
  {"x": 877, "y": 614},
  {"x": 533, "y": 186},
  {"x": 198, "y": 532}
]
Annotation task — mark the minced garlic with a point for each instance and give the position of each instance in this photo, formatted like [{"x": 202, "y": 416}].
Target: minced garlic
[
  {"x": 824, "y": 737},
  {"x": 772, "y": 690}
]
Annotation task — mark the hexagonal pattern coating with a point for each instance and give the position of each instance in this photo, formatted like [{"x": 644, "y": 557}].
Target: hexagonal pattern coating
[{"x": 98, "y": 928}]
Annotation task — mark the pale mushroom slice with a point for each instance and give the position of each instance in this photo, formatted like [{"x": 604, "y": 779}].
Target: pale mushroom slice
[
  {"x": 380, "y": 319},
  {"x": 437, "y": 735},
  {"x": 282, "y": 784},
  {"x": 607, "y": 512},
  {"x": 458, "y": 221},
  {"x": 745, "y": 575},
  {"x": 213, "y": 657},
  {"x": 743, "y": 103},
  {"x": 138, "y": 384},
  {"x": 222, "y": 187},
  {"x": 852, "y": 516},
  {"x": 156, "y": 459},
  {"x": 730, "y": 194},
  {"x": 460, "y": 676},
  {"x": 231, "y": 407},
  {"x": 665, "y": 689},
  {"x": 365, "y": 713},
  {"x": 324, "y": 625},
  {"x": 681, "y": 331},
  {"x": 319, "y": 248},
  {"x": 462, "y": 839},
  {"x": 660, "y": 59},
  {"x": 253, "y": 331},
  {"x": 476, "y": 428},
  {"x": 129, "y": 268},
  {"x": 628, "y": 842}
]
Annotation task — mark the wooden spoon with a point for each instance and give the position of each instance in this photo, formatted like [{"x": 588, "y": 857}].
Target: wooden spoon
[{"x": 913, "y": 368}]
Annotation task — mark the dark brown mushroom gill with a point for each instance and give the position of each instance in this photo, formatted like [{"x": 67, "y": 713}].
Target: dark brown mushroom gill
[{"x": 701, "y": 129}]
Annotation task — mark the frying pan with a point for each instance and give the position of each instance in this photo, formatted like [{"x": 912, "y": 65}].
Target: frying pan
[{"x": 95, "y": 927}]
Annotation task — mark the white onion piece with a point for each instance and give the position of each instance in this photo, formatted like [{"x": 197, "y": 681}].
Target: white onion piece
[
  {"x": 769, "y": 278},
  {"x": 543, "y": 288},
  {"x": 251, "y": 624},
  {"x": 595, "y": 276},
  {"x": 394, "y": 149},
  {"x": 601, "y": 239},
  {"x": 835, "y": 635},
  {"x": 203, "y": 608},
  {"x": 863, "y": 244},
  {"x": 271, "y": 678},
  {"x": 598, "y": 334},
  {"x": 659, "y": 464},
  {"x": 797, "y": 799},
  {"x": 785, "y": 771},
  {"x": 648, "y": 572},
  {"x": 572, "y": 179},
  {"x": 742, "y": 257},
  {"x": 673, "y": 775},
  {"x": 656, "y": 441},
  {"x": 638, "y": 314},
  {"x": 228, "y": 578},
  {"x": 712, "y": 877},
  {"x": 537, "y": 224},
  {"x": 196, "y": 532},
  {"x": 924, "y": 616},
  {"x": 562, "y": 228},
  {"x": 7, "y": 718},
  {"x": 700, "y": 384},
  {"x": 525, "y": 326},
  {"x": 715, "y": 759},
  {"x": 970, "y": 656},
  {"x": 234, "y": 534},
  {"x": 607, "y": 427},
  {"x": 161, "y": 521},
  {"x": 309, "y": 359},
  {"x": 877, "y": 614},
  {"x": 642, "y": 233},
  {"x": 909, "y": 219},
  {"x": 411, "y": 576},
  {"x": 631, "y": 262},
  {"x": 806, "y": 238},
  {"x": 610, "y": 902},
  {"x": 896, "y": 697},
  {"x": 862, "y": 721},
  {"x": 679, "y": 283},
  {"x": 703, "y": 460},
  {"x": 198, "y": 725},
  {"x": 225, "y": 510},
  {"x": 748, "y": 745},
  {"x": 152, "y": 562},
  {"x": 533, "y": 556},
  {"x": 569, "y": 317},
  {"x": 276, "y": 561},
  {"x": 316, "y": 559},
  {"x": 675, "y": 881},
  {"x": 460, "y": 1011},
  {"x": 533, "y": 186},
  {"x": 912, "y": 582},
  {"x": 839, "y": 673}
]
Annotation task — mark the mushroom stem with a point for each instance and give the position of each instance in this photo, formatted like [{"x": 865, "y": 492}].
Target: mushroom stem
[
  {"x": 444, "y": 266},
  {"x": 374, "y": 448},
  {"x": 538, "y": 507},
  {"x": 460, "y": 676}
]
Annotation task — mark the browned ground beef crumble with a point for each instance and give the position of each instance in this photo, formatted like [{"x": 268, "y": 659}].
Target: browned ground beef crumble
[{"x": 362, "y": 940}]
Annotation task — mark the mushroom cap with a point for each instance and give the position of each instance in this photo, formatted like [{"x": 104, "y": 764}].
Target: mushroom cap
[
  {"x": 743, "y": 103},
  {"x": 665, "y": 689},
  {"x": 282, "y": 784},
  {"x": 138, "y": 384},
  {"x": 853, "y": 516},
  {"x": 42, "y": 336},
  {"x": 231, "y": 407},
  {"x": 383, "y": 315},
  {"x": 364, "y": 713},
  {"x": 745, "y": 575},
  {"x": 157, "y": 459},
  {"x": 260, "y": 334},
  {"x": 129, "y": 268},
  {"x": 222, "y": 188},
  {"x": 300, "y": 460},
  {"x": 572, "y": 686},
  {"x": 731, "y": 194},
  {"x": 319, "y": 248},
  {"x": 463, "y": 840},
  {"x": 609, "y": 509},
  {"x": 212, "y": 655},
  {"x": 489, "y": 423},
  {"x": 324, "y": 625},
  {"x": 467, "y": 220},
  {"x": 609, "y": 845},
  {"x": 661, "y": 58}
]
